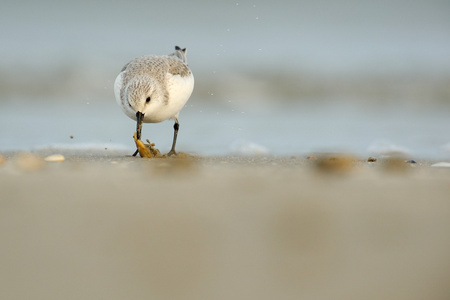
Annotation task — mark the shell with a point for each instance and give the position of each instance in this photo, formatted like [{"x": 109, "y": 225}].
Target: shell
[
  {"x": 442, "y": 164},
  {"x": 55, "y": 158}
]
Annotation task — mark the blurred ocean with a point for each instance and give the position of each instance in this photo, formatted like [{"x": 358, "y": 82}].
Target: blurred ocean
[{"x": 278, "y": 78}]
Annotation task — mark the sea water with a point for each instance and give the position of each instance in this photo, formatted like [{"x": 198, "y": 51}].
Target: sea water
[{"x": 218, "y": 129}]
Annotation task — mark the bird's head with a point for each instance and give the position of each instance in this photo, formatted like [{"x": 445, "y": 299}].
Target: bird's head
[
  {"x": 140, "y": 92},
  {"x": 143, "y": 98}
]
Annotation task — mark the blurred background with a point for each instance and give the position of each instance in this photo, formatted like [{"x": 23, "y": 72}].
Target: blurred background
[{"x": 272, "y": 77}]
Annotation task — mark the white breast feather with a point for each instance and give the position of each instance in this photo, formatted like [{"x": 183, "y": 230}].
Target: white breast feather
[
  {"x": 118, "y": 84},
  {"x": 180, "y": 89}
]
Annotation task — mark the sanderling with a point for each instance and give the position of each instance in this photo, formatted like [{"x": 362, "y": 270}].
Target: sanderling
[{"x": 153, "y": 88}]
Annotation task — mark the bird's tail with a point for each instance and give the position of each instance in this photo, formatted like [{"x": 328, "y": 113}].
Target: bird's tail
[{"x": 180, "y": 53}]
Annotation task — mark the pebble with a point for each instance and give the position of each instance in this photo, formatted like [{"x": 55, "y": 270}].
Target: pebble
[
  {"x": 29, "y": 162},
  {"x": 2, "y": 159},
  {"x": 55, "y": 158},
  {"x": 395, "y": 164}
]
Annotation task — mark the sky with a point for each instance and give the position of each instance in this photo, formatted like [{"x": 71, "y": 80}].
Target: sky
[{"x": 326, "y": 36}]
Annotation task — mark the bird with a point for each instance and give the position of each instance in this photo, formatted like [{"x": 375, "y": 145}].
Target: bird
[{"x": 152, "y": 89}]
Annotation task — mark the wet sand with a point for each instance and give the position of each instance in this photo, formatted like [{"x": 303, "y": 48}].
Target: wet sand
[{"x": 108, "y": 226}]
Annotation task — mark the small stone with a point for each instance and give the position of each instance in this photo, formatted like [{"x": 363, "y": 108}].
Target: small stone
[
  {"x": 55, "y": 158},
  {"x": 372, "y": 159},
  {"x": 411, "y": 162},
  {"x": 336, "y": 164},
  {"x": 2, "y": 159}
]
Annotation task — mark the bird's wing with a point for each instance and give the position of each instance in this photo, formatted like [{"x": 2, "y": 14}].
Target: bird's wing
[{"x": 177, "y": 67}]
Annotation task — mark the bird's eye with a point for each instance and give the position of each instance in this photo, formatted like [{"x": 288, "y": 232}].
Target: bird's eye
[{"x": 147, "y": 100}]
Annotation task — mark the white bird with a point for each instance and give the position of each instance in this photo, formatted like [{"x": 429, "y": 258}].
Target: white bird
[{"x": 152, "y": 89}]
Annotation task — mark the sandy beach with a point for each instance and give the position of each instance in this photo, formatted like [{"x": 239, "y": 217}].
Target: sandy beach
[{"x": 110, "y": 226}]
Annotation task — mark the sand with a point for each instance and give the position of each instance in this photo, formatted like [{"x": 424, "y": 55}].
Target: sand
[{"x": 108, "y": 226}]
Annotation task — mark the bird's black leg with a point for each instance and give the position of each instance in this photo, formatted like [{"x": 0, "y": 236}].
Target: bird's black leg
[{"x": 176, "y": 126}]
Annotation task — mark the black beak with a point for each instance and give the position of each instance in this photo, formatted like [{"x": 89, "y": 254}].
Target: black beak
[{"x": 140, "y": 120}]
